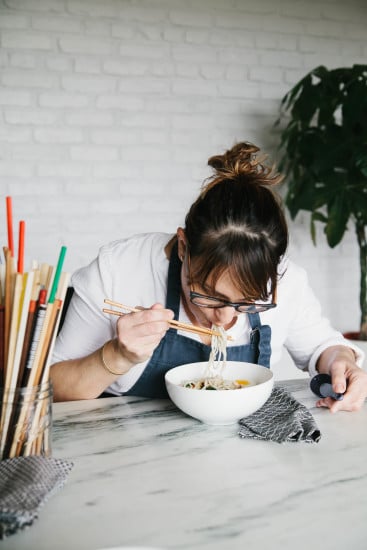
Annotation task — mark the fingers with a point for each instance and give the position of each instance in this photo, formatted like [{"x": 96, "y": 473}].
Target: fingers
[
  {"x": 354, "y": 381},
  {"x": 347, "y": 404},
  {"x": 339, "y": 382},
  {"x": 139, "y": 333},
  {"x": 148, "y": 322}
]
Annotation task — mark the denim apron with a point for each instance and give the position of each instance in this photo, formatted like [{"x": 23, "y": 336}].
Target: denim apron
[{"x": 175, "y": 349}]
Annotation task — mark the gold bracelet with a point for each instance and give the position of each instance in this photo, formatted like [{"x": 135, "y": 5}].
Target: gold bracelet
[{"x": 108, "y": 369}]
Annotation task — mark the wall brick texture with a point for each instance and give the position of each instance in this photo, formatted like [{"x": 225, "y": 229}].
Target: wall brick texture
[{"x": 109, "y": 110}]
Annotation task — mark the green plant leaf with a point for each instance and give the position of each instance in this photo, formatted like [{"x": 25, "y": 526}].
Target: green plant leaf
[
  {"x": 336, "y": 225},
  {"x": 357, "y": 197},
  {"x": 313, "y": 230},
  {"x": 361, "y": 159},
  {"x": 290, "y": 97},
  {"x": 318, "y": 216}
]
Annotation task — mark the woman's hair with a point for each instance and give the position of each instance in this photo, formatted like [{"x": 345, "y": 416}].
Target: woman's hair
[{"x": 237, "y": 224}]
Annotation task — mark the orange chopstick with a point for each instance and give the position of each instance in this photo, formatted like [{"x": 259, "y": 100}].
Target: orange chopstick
[
  {"x": 21, "y": 247},
  {"x": 9, "y": 219}
]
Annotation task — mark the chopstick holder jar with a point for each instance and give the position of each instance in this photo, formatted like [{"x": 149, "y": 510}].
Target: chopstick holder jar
[{"x": 26, "y": 421}]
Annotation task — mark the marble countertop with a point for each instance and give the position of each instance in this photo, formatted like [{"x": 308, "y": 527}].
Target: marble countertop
[{"x": 146, "y": 475}]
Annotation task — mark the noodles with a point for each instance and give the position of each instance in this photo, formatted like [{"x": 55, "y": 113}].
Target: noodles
[
  {"x": 213, "y": 379},
  {"x": 218, "y": 354}
]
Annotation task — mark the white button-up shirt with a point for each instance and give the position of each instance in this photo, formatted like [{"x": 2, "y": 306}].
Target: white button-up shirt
[{"x": 134, "y": 271}]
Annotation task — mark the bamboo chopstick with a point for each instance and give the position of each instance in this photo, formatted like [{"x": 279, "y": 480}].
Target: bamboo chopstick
[{"x": 175, "y": 324}]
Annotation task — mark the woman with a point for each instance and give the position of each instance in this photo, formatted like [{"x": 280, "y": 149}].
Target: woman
[{"x": 228, "y": 268}]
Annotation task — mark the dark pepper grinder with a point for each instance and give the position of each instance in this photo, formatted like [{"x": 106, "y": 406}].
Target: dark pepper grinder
[{"x": 321, "y": 386}]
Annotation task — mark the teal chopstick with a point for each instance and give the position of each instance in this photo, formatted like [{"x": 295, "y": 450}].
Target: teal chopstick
[{"x": 56, "y": 280}]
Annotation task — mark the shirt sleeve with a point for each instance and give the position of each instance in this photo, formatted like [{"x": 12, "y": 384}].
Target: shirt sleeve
[
  {"x": 132, "y": 271},
  {"x": 309, "y": 331},
  {"x": 87, "y": 327}
]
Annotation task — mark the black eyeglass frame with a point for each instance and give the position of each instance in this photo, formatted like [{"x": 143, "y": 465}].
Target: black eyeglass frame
[{"x": 241, "y": 307}]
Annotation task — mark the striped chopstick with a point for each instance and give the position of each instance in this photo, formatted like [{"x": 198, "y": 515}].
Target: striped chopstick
[{"x": 174, "y": 324}]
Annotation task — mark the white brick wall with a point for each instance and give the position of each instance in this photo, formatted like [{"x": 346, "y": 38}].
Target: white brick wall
[{"x": 109, "y": 110}]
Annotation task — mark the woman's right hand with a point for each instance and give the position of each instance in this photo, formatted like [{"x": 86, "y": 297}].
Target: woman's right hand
[{"x": 139, "y": 333}]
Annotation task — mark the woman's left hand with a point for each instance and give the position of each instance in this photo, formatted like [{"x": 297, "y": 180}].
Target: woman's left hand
[{"x": 346, "y": 376}]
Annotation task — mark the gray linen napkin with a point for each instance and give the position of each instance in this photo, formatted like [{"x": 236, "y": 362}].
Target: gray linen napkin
[
  {"x": 25, "y": 485},
  {"x": 282, "y": 418}
]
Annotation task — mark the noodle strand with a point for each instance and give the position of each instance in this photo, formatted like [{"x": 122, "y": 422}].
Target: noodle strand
[{"x": 213, "y": 379}]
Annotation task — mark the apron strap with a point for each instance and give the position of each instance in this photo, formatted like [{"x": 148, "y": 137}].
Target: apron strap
[
  {"x": 261, "y": 337},
  {"x": 174, "y": 282}
]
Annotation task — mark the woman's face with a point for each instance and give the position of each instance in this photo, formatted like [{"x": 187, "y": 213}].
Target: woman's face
[{"x": 224, "y": 289}]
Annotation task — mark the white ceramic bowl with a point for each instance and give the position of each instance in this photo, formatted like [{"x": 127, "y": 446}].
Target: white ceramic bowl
[{"x": 223, "y": 406}]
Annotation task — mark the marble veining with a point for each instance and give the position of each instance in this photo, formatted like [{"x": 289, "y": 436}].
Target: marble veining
[{"x": 147, "y": 475}]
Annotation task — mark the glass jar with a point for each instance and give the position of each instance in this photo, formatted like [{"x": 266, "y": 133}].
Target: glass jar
[{"x": 26, "y": 421}]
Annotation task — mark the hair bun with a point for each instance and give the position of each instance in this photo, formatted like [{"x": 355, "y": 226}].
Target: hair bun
[
  {"x": 241, "y": 158},
  {"x": 242, "y": 163}
]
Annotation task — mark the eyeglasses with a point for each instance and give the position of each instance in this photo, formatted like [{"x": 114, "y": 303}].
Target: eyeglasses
[
  {"x": 211, "y": 302},
  {"x": 202, "y": 300}
]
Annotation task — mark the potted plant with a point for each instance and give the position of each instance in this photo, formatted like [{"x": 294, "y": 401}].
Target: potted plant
[{"x": 324, "y": 158}]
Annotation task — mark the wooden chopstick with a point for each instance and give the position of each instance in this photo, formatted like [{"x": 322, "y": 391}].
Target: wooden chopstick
[{"x": 175, "y": 324}]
